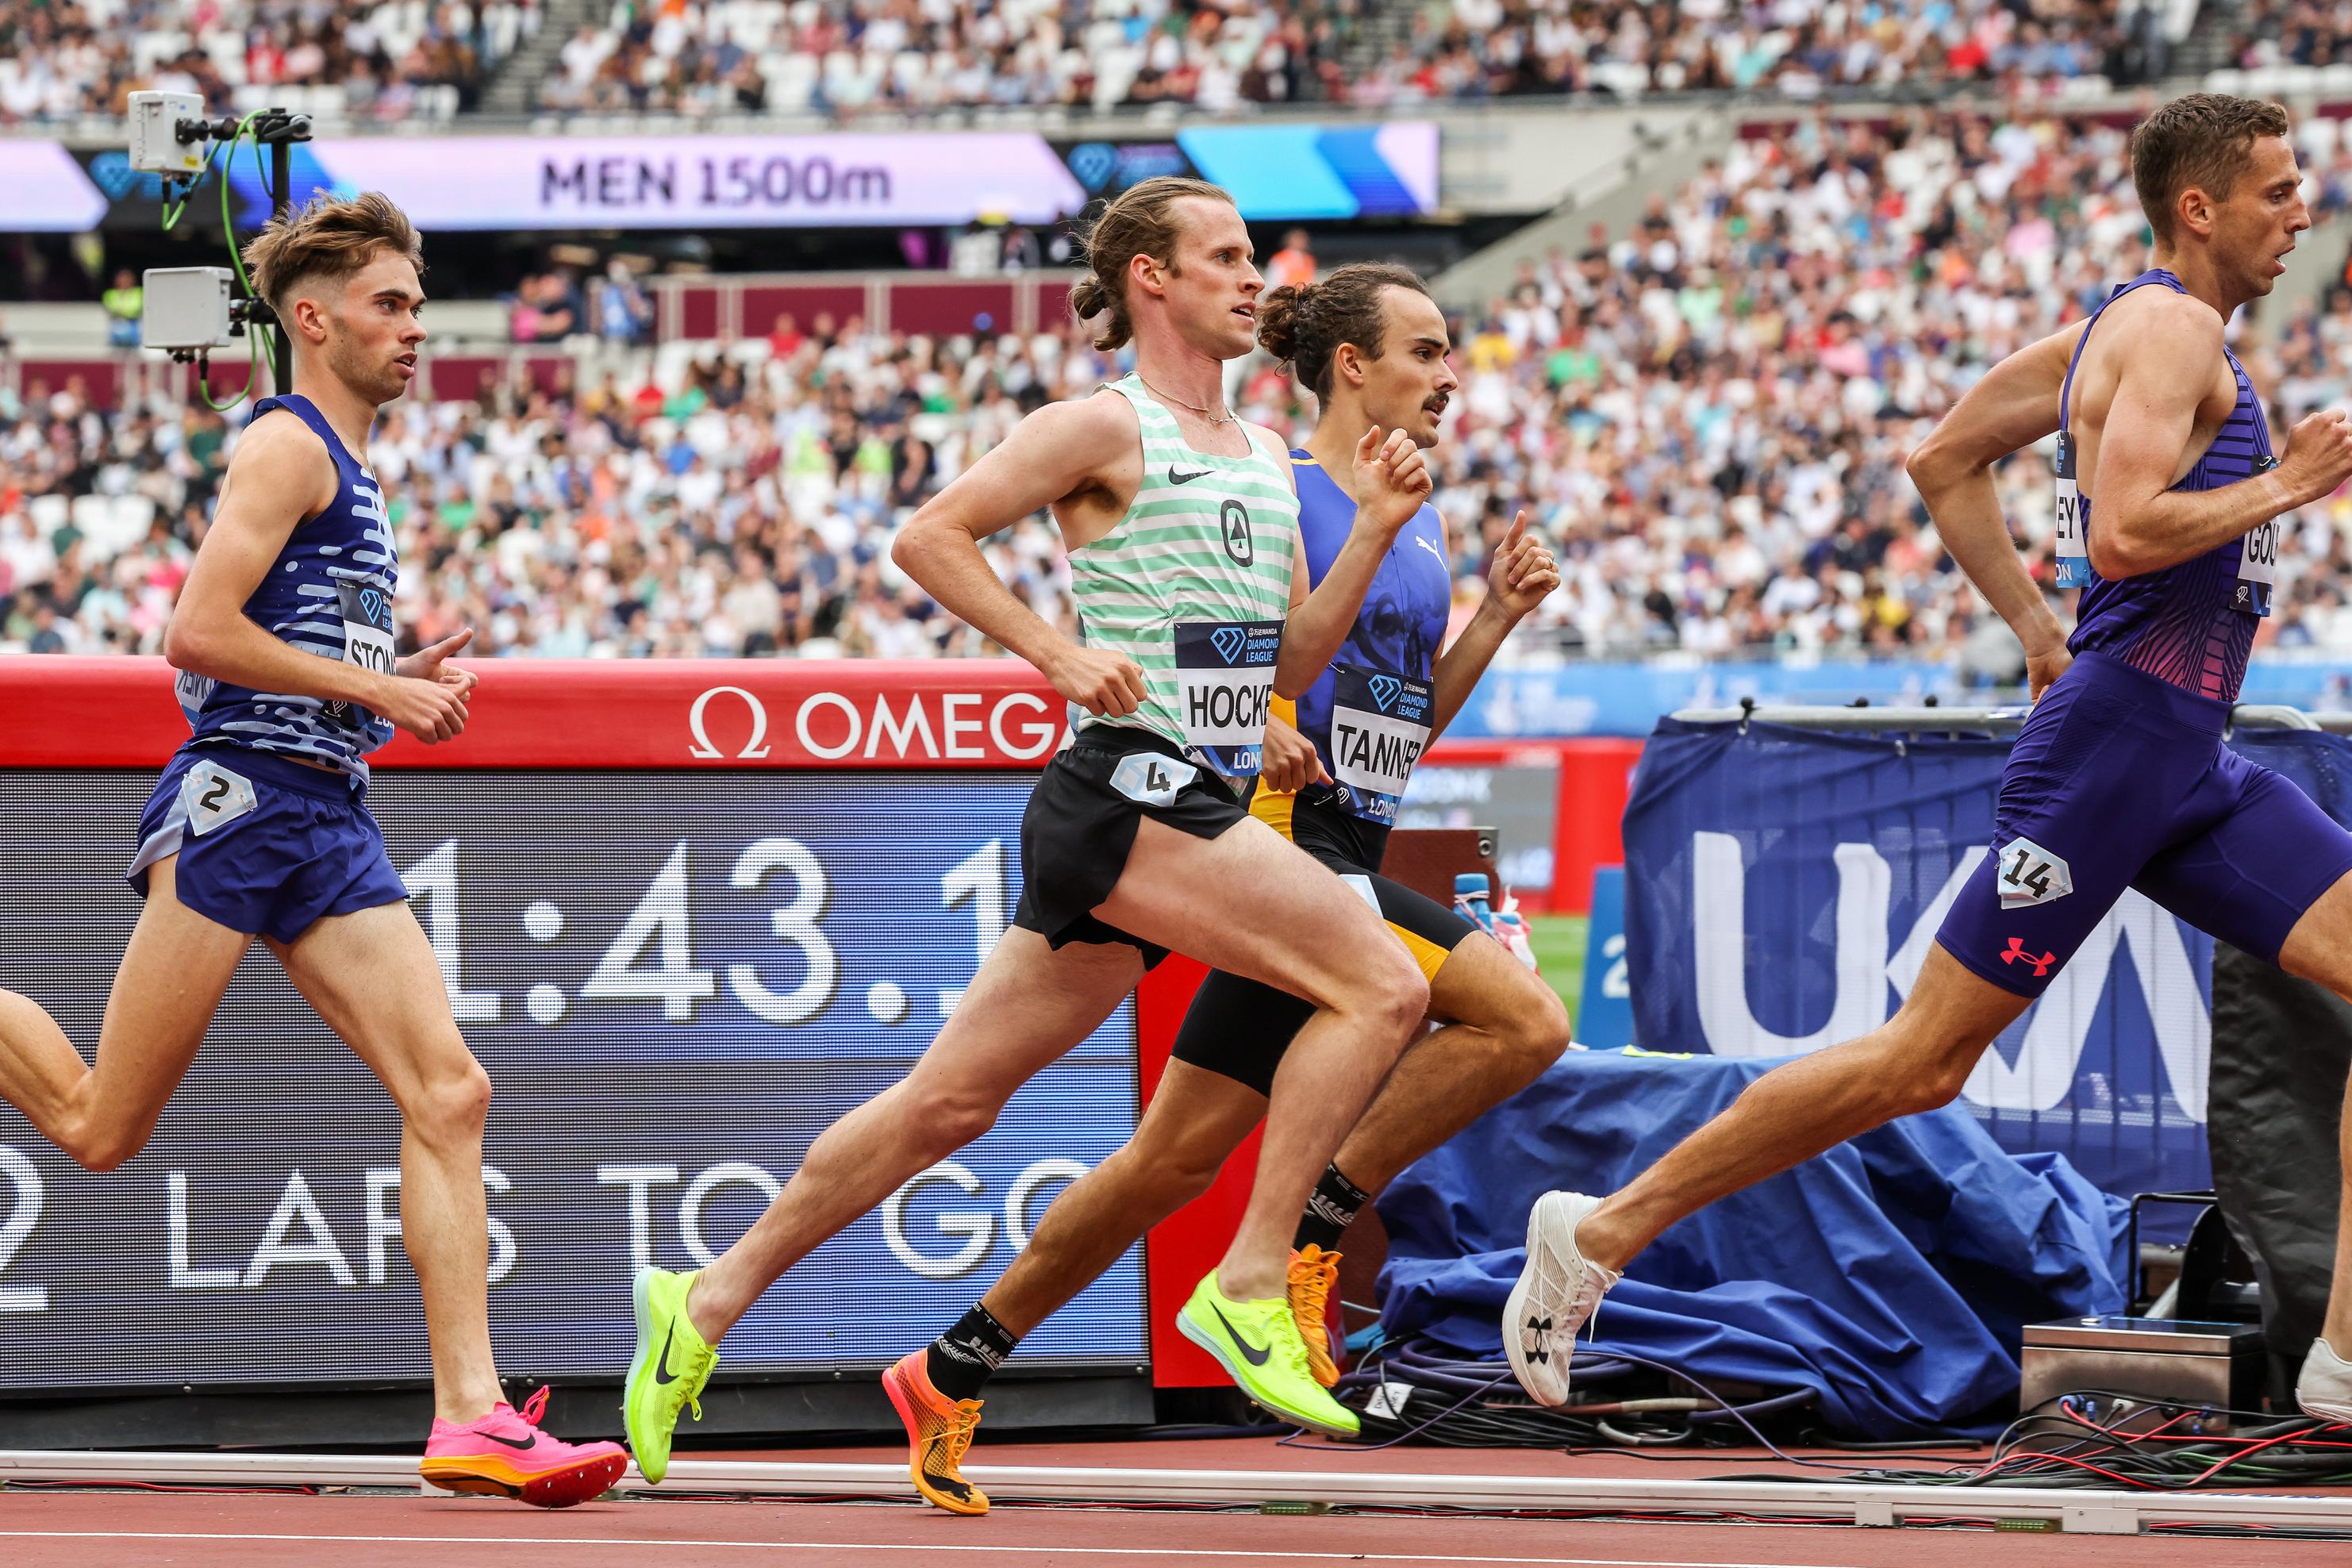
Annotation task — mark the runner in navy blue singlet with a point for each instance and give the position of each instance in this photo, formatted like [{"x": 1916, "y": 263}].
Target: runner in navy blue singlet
[
  {"x": 2168, "y": 500},
  {"x": 284, "y": 639}
]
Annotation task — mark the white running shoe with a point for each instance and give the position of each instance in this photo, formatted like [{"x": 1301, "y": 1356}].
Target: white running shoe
[
  {"x": 1557, "y": 1292},
  {"x": 2324, "y": 1389}
]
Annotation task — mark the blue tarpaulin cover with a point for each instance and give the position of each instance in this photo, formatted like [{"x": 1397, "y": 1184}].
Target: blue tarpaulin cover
[{"x": 1894, "y": 1275}]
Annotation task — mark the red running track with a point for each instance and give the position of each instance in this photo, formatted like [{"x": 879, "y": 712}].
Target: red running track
[{"x": 152, "y": 1531}]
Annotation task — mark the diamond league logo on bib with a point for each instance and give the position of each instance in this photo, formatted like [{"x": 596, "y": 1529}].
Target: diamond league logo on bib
[
  {"x": 1225, "y": 679},
  {"x": 1380, "y": 725}
]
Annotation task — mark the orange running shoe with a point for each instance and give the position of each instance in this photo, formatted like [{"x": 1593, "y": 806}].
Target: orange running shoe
[
  {"x": 938, "y": 1430},
  {"x": 1313, "y": 1273},
  {"x": 505, "y": 1454}
]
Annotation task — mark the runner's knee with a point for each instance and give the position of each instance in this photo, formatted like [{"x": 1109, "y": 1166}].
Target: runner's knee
[
  {"x": 1535, "y": 1030},
  {"x": 1175, "y": 1170},
  {"x": 452, "y": 1102},
  {"x": 1387, "y": 989},
  {"x": 945, "y": 1118},
  {"x": 1920, "y": 1072}
]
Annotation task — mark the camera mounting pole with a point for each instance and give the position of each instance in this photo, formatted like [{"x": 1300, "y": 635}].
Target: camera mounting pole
[{"x": 278, "y": 130}]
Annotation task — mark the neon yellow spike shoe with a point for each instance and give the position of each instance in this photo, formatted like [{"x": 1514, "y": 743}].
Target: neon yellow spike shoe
[
  {"x": 1258, "y": 1345},
  {"x": 671, "y": 1366}
]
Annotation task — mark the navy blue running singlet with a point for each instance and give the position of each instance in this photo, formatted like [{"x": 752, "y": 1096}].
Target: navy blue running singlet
[
  {"x": 328, "y": 593},
  {"x": 2191, "y": 625}
]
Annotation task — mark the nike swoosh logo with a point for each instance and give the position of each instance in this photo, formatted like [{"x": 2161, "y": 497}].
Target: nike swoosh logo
[
  {"x": 1254, "y": 1354},
  {"x": 661, "y": 1372},
  {"x": 527, "y": 1445},
  {"x": 1175, "y": 478}
]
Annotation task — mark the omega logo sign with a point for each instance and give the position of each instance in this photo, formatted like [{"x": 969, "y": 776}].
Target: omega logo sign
[
  {"x": 933, "y": 726},
  {"x": 754, "y": 747}
]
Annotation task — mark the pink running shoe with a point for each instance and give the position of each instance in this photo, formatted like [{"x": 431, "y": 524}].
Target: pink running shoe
[{"x": 505, "y": 1454}]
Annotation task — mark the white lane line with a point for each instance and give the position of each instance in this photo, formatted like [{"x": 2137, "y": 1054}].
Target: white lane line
[{"x": 1162, "y": 1553}]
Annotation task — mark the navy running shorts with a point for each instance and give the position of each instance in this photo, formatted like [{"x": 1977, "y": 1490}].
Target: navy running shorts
[
  {"x": 2121, "y": 780},
  {"x": 267, "y": 845}
]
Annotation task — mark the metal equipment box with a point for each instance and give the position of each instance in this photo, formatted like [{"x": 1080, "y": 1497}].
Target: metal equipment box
[{"x": 2218, "y": 1365}]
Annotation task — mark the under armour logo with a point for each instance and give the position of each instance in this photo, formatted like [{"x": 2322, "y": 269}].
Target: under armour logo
[
  {"x": 1384, "y": 691},
  {"x": 1227, "y": 641},
  {"x": 2017, "y": 954}
]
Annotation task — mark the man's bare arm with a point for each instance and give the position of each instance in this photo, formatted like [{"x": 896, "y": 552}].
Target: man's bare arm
[
  {"x": 1391, "y": 481},
  {"x": 2014, "y": 406},
  {"x": 1053, "y": 454},
  {"x": 279, "y": 475}
]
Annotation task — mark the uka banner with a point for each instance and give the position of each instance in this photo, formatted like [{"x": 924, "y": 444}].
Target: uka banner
[{"x": 1783, "y": 888}]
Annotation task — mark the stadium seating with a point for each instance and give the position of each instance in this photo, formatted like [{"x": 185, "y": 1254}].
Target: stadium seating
[
  {"x": 1708, "y": 415},
  {"x": 1476, "y": 49},
  {"x": 847, "y": 56},
  {"x": 351, "y": 59}
]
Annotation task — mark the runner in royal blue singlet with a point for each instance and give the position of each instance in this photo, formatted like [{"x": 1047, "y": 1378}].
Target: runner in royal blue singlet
[
  {"x": 2120, "y": 778},
  {"x": 260, "y": 827}
]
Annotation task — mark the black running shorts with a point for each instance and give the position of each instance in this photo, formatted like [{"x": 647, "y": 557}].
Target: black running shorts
[
  {"x": 1080, "y": 825},
  {"x": 1241, "y": 1028}
]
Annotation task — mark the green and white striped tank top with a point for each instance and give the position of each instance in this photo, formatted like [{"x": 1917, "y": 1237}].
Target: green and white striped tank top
[{"x": 1193, "y": 583}]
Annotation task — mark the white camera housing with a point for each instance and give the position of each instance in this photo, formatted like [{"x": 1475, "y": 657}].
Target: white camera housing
[
  {"x": 155, "y": 144},
  {"x": 186, "y": 308}
]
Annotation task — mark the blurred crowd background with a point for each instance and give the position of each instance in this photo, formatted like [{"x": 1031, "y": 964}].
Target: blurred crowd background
[{"x": 1706, "y": 410}]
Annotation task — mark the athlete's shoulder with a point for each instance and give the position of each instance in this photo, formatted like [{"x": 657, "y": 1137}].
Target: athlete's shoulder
[
  {"x": 278, "y": 446},
  {"x": 2160, "y": 320},
  {"x": 1087, "y": 430}
]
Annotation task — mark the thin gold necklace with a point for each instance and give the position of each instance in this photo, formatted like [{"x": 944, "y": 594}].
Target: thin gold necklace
[{"x": 1214, "y": 419}]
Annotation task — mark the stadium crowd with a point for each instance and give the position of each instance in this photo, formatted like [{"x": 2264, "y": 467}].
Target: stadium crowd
[
  {"x": 1477, "y": 48},
  {"x": 847, "y": 56},
  {"x": 704, "y": 56},
  {"x": 380, "y": 58},
  {"x": 2292, "y": 32},
  {"x": 1709, "y": 414}
]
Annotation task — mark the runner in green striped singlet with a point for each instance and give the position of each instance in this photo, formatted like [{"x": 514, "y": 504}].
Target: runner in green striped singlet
[{"x": 1181, "y": 524}]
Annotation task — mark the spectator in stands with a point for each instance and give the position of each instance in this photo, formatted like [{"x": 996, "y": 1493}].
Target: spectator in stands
[
  {"x": 1292, "y": 264},
  {"x": 124, "y": 303},
  {"x": 624, "y": 314},
  {"x": 784, "y": 337}
]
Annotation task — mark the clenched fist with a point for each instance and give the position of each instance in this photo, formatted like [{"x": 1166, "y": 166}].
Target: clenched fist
[
  {"x": 1392, "y": 480},
  {"x": 2318, "y": 456}
]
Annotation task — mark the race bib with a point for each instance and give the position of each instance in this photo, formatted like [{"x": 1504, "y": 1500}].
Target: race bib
[
  {"x": 367, "y": 626},
  {"x": 213, "y": 795},
  {"x": 1147, "y": 778},
  {"x": 1380, "y": 726},
  {"x": 2257, "y": 570},
  {"x": 2074, "y": 545},
  {"x": 2028, "y": 874},
  {"x": 1225, "y": 679},
  {"x": 194, "y": 691},
  {"x": 2257, "y": 562}
]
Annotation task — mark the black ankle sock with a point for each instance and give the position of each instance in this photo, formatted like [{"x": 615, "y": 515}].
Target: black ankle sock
[
  {"x": 1330, "y": 1212},
  {"x": 960, "y": 1361}
]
